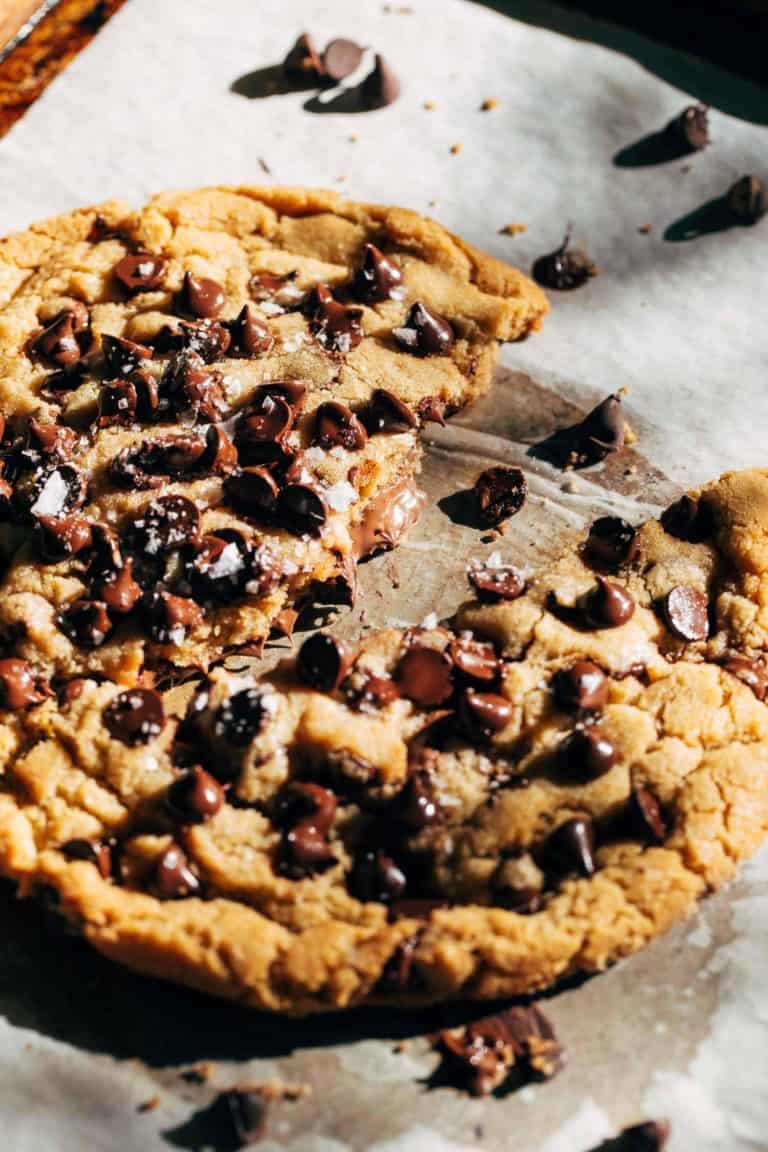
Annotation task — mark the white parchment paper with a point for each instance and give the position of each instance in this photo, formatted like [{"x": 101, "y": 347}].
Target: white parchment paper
[{"x": 158, "y": 101}]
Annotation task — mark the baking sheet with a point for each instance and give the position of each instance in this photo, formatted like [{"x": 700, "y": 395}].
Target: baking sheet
[{"x": 165, "y": 96}]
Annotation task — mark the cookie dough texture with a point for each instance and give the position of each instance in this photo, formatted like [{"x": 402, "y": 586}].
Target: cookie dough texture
[{"x": 685, "y": 728}]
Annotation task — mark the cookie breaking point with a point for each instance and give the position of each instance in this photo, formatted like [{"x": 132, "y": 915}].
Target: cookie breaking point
[
  {"x": 472, "y": 812},
  {"x": 210, "y": 412}
]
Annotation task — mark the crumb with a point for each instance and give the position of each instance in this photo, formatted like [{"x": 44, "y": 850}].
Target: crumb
[
  {"x": 478, "y": 1131},
  {"x": 571, "y": 485},
  {"x": 489, "y": 104},
  {"x": 354, "y": 138},
  {"x": 430, "y": 106},
  {"x": 401, "y": 1046},
  {"x": 685, "y": 168},
  {"x": 456, "y": 148},
  {"x": 341, "y": 179},
  {"x": 645, "y": 229},
  {"x": 149, "y": 1105},
  {"x": 631, "y": 470},
  {"x": 264, "y": 166},
  {"x": 513, "y": 229},
  {"x": 398, "y": 9},
  {"x": 490, "y": 537},
  {"x": 630, "y": 436},
  {"x": 433, "y": 203},
  {"x": 198, "y": 1073}
]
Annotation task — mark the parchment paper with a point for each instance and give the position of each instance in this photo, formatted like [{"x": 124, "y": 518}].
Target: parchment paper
[{"x": 160, "y": 99}]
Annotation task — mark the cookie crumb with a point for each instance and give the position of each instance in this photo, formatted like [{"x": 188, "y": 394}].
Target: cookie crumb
[
  {"x": 645, "y": 229},
  {"x": 264, "y": 166},
  {"x": 429, "y": 106},
  {"x": 513, "y": 229},
  {"x": 150, "y": 1105},
  {"x": 489, "y": 104},
  {"x": 456, "y": 149},
  {"x": 516, "y": 1045}
]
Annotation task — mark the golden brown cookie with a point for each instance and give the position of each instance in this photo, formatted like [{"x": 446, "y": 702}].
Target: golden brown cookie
[
  {"x": 473, "y": 811},
  {"x": 210, "y": 411}
]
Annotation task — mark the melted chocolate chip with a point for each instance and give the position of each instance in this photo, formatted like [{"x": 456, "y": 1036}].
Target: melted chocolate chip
[
  {"x": 195, "y": 796},
  {"x": 58, "y": 342},
  {"x": 170, "y": 619},
  {"x": 262, "y": 431},
  {"x": 337, "y": 425},
  {"x": 747, "y": 200},
  {"x": 386, "y": 413},
  {"x": 302, "y": 510},
  {"x": 688, "y": 519},
  {"x": 500, "y": 492},
  {"x": 253, "y": 492},
  {"x": 250, "y": 334},
  {"x": 18, "y": 685},
  {"x": 190, "y": 385},
  {"x": 474, "y": 660},
  {"x": 54, "y": 441},
  {"x": 323, "y": 662},
  {"x": 368, "y": 692},
  {"x": 140, "y": 272},
  {"x": 241, "y": 717},
  {"x": 686, "y": 611},
  {"x": 59, "y": 537},
  {"x": 376, "y": 878},
  {"x": 86, "y": 622},
  {"x": 644, "y": 816},
  {"x": 92, "y": 852},
  {"x": 493, "y": 584},
  {"x": 484, "y": 1055},
  {"x": 691, "y": 127},
  {"x": 121, "y": 357},
  {"x": 378, "y": 278},
  {"x": 582, "y": 685},
  {"x": 612, "y": 543},
  {"x": 208, "y": 339},
  {"x": 173, "y": 877},
  {"x": 417, "y": 806},
  {"x": 424, "y": 676},
  {"x": 336, "y": 326},
  {"x": 220, "y": 567},
  {"x": 425, "y": 333},
  {"x": 167, "y": 523},
  {"x": 105, "y": 557},
  {"x": 431, "y": 410},
  {"x": 565, "y": 268},
  {"x": 570, "y": 848},
  {"x": 201, "y": 296},
  {"x": 118, "y": 403},
  {"x": 608, "y": 605},
  {"x": 380, "y": 87},
  {"x": 585, "y": 755},
  {"x": 751, "y": 672},
  {"x": 307, "y": 811},
  {"x": 135, "y": 717},
  {"x": 483, "y": 714},
  {"x": 119, "y": 591}
]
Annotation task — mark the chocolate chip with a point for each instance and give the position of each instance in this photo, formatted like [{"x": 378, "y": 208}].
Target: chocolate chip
[
  {"x": 644, "y": 817},
  {"x": 380, "y": 87},
  {"x": 751, "y": 672},
  {"x": 195, "y": 796},
  {"x": 241, "y": 717},
  {"x": 250, "y": 334},
  {"x": 367, "y": 692},
  {"x": 387, "y": 413},
  {"x": 686, "y": 611},
  {"x": 240, "y": 1118},
  {"x": 121, "y": 357},
  {"x": 58, "y": 342},
  {"x": 253, "y": 492},
  {"x": 474, "y": 660},
  {"x": 171, "y": 618},
  {"x": 376, "y": 878},
  {"x": 425, "y": 333},
  {"x": 307, "y": 811},
  {"x": 585, "y": 755},
  {"x": 302, "y": 63},
  {"x": 398, "y": 974},
  {"x": 118, "y": 403},
  {"x": 517, "y": 884},
  {"x": 651, "y": 1136},
  {"x": 608, "y": 605},
  {"x": 92, "y": 852},
  {"x": 277, "y": 294},
  {"x": 483, "y": 714},
  {"x": 747, "y": 199},
  {"x": 175, "y": 455},
  {"x": 337, "y": 425},
  {"x": 147, "y": 396},
  {"x": 208, "y": 339},
  {"x": 62, "y": 536},
  {"x": 166, "y": 523},
  {"x": 336, "y": 326},
  {"x": 140, "y": 272},
  {"x": 500, "y": 492},
  {"x": 119, "y": 591},
  {"x": 292, "y": 391},
  {"x": 262, "y": 430},
  {"x": 495, "y": 583},
  {"x": 323, "y": 662},
  {"x": 54, "y": 441},
  {"x": 431, "y": 410},
  {"x": 582, "y": 685},
  {"x": 417, "y": 806},
  {"x": 688, "y": 519},
  {"x": 86, "y": 622},
  {"x": 105, "y": 557},
  {"x": 612, "y": 543},
  {"x": 423, "y": 675},
  {"x": 52, "y": 492},
  {"x": 201, "y": 296},
  {"x": 563, "y": 269},
  {"x": 302, "y": 510},
  {"x": 485, "y": 1054},
  {"x": 221, "y": 566},
  {"x": 570, "y": 848},
  {"x": 173, "y": 877},
  {"x": 341, "y": 58},
  {"x": 18, "y": 685},
  {"x": 378, "y": 278},
  {"x": 135, "y": 717},
  {"x": 190, "y": 385},
  {"x": 691, "y": 127}
]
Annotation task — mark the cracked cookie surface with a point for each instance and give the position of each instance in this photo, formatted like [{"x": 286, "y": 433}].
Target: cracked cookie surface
[{"x": 211, "y": 411}]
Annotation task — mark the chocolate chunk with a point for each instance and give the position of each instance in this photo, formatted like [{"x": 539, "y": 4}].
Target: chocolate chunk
[
  {"x": 651, "y": 1136},
  {"x": 253, "y": 492},
  {"x": 686, "y": 611},
  {"x": 92, "y": 852},
  {"x": 386, "y": 413},
  {"x": 425, "y": 333},
  {"x": 417, "y": 807},
  {"x": 336, "y": 326},
  {"x": 608, "y": 605},
  {"x": 119, "y": 591},
  {"x": 751, "y": 672},
  {"x": 398, "y": 974},
  {"x": 612, "y": 543},
  {"x": 474, "y": 660},
  {"x": 563, "y": 269},
  {"x": 302, "y": 63},
  {"x": 302, "y": 510},
  {"x": 585, "y": 755},
  {"x": 58, "y": 342},
  {"x": 140, "y": 272},
  {"x": 644, "y": 817},
  {"x": 86, "y": 622},
  {"x": 166, "y": 523},
  {"x": 376, "y": 878},
  {"x": 341, "y": 58},
  {"x": 118, "y": 403},
  {"x": 747, "y": 199},
  {"x": 380, "y": 87},
  {"x": 18, "y": 685},
  {"x": 378, "y": 278},
  {"x": 688, "y": 519},
  {"x": 307, "y": 811},
  {"x": 190, "y": 385},
  {"x": 195, "y": 796},
  {"x": 54, "y": 441},
  {"x": 423, "y": 675},
  {"x": 239, "y": 1118},
  {"x": 570, "y": 848},
  {"x": 173, "y": 877},
  {"x": 121, "y": 357},
  {"x": 105, "y": 557},
  {"x": 323, "y": 662},
  {"x": 495, "y": 583},
  {"x": 483, "y": 714},
  {"x": 484, "y": 1055},
  {"x": 135, "y": 717},
  {"x": 242, "y": 716},
  {"x": 582, "y": 685},
  {"x": 250, "y": 334},
  {"x": 500, "y": 492},
  {"x": 170, "y": 618},
  {"x": 60, "y": 536},
  {"x": 691, "y": 127},
  {"x": 201, "y": 296},
  {"x": 335, "y": 424}
]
